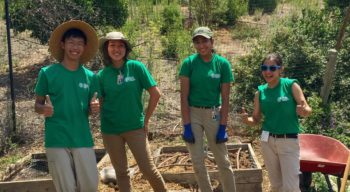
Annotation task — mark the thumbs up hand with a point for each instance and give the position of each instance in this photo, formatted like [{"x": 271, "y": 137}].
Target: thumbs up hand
[
  {"x": 47, "y": 107},
  {"x": 94, "y": 104},
  {"x": 303, "y": 109}
]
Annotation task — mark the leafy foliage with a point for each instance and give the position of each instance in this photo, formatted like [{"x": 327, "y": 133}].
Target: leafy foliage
[
  {"x": 42, "y": 16},
  {"x": 268, "y": 6},
  {"x": 218, "y": 12},
  {"x": 337, "y": 3},
  {"x": 171, "y": 17}
]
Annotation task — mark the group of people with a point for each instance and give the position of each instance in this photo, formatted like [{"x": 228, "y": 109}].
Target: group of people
[{"x": 67, "y": 92}]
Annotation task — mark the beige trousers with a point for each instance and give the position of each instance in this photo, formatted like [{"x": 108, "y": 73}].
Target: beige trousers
[
  {"x": 73, "y": 169},
  {"x": 139, "y": 147},
  {"x": 281, "y": 157},
  {"x": 203, "y": 123}
]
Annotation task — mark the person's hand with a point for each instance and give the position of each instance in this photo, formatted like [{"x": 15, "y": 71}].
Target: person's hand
[
  {"x": 94, "y": 104},
  {"x": 302, "y": 109},
  {"x": 188, "y": 134},
  {"x": 47, "y": 107},
  {"x": 244, "y": 115},
  {"x": 221, "y": 135}
]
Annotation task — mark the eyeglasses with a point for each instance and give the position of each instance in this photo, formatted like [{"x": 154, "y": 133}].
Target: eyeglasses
[{"x": 269, "y": 68}]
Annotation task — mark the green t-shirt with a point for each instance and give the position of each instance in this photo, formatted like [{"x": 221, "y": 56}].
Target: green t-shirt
[
  {"x": 279, "y": 107},
  {"x": 70, "y": 93},
  {"x": 122, "y": 90},
  {"x": 206, "y": 79}
]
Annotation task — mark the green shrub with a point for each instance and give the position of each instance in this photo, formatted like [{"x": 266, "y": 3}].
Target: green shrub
[
  {"x": 268, "y": 6},
  {"x": 171, "y": 19},
  {"x": 176, "y": 45},
  {"x": 337, "y": 3},
  {"x": 218, "y": 12},
  {"x": 42, "y": 16}
]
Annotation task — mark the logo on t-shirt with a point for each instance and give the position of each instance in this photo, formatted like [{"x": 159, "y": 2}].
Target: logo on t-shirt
[
  {"x": 215, "y": 76},
  {"x": 282, "y": 99},
  {"x": 127, "y": 79},
  {"x": 83, "y": 85}
]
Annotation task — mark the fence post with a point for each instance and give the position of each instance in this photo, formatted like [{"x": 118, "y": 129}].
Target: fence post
[
  {"x": 329, "y": 74},
  {"x": 8, "y": 34},
  {"x": 331, "y": 64}
]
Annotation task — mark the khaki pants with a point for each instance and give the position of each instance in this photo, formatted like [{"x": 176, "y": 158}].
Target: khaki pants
[
  {"x": 202, "y": 122},
  {"x": 281, "y": 157},
  {"x": 73, "y": 169},
  {"x": 139, "y": 146}
]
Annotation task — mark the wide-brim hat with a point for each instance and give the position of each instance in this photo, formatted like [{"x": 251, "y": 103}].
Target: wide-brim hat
[
  {"x": 114, "y": 35},
  {"x": 202, "y": 31},
  {"x": 91, "y": 40}
]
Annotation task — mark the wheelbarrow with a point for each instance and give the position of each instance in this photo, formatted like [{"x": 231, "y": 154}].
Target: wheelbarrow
[{"x": 322, "y": 154}]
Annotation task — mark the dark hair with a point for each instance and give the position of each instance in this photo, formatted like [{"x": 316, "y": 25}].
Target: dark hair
[
  {"x": 107, "y": 59},
  {"x": 275, "y": 57},
  {"x": 73, "y": 32}
]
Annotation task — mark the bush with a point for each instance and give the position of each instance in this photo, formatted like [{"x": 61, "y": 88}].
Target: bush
[
  {"x": 177, "y": 45},
  {"x": 337, "y": 3},
  {"x": 171, "y": 19},
  {"x": 42, "y": 16},
  {"x": 268, "y": 6},
  {"x": 218, "y": 12}
]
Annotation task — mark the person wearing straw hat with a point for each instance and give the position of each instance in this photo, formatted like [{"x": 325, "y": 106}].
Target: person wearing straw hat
[
  {"x": 205, "y": 79},
  {"x": 66, "y": 92},
  {"x": 123, "y": 120}
]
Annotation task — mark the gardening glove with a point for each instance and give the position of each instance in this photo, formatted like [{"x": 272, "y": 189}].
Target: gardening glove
[
  {"x": 221, "y": 135},
  {"x": 188, "y": 134}
]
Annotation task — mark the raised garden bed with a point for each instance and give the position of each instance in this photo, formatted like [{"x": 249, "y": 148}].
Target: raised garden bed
[
  {"x": 31, "y": 174},
  {"x": 175, "y": 165}
]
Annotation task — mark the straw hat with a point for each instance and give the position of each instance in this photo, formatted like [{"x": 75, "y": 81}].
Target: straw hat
[{"x": 91, "y": 38}]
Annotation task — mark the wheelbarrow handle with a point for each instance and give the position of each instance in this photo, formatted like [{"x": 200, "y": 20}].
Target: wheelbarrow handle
[{"x": 346, "y": 175}]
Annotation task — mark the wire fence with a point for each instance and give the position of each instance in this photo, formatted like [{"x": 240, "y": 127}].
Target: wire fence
[{"x": 29, "y": 55}]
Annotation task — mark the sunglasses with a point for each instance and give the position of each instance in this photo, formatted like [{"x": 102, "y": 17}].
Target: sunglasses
[{"x": 269, "y": 68}]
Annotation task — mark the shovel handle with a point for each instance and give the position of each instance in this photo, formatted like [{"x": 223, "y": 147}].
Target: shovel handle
[{"x": 346, "y": 175}]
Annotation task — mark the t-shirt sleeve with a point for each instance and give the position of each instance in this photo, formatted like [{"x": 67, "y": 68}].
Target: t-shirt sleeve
[
  {"x": 290, "y": 82},
  {"x": 145, "y": 76},
  {"x": 41, "y": 87},
  {"x": 99, "y": 77},
  {"x": 185, "y": 68},
  {"x": 226, "y": 73}
]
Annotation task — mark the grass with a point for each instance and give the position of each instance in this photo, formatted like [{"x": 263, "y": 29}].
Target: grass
[{"x": 8, "y": 160}]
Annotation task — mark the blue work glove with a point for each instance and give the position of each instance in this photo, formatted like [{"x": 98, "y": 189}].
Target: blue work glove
[
  {"x": 188, "y": 134},
  {"x": 221, "y": 135}
]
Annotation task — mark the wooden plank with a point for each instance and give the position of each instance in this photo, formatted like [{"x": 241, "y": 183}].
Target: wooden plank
[{"x": 42, "y": 185}]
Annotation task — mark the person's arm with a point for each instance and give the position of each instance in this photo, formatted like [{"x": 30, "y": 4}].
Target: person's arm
[
  {"x": 256, "y": 117},
  {"x": 225, "y": 96},
  {"x": 43, "y": 105},
  {"x": 185, "y": 91},
  {"x": 302, "y": 109},
  {"x": 154, "y": 93}
]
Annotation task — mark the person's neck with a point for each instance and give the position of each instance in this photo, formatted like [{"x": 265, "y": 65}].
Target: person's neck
[
  {"x": 118, "y": 64},
  {"x": 70, "y": 65},
  {"x": 207, "y": 57},
  {"x": 273, "y": 84}
]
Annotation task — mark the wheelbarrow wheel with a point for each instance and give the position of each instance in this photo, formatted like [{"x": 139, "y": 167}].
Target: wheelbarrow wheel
[{"x": 305, "y": 181}]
